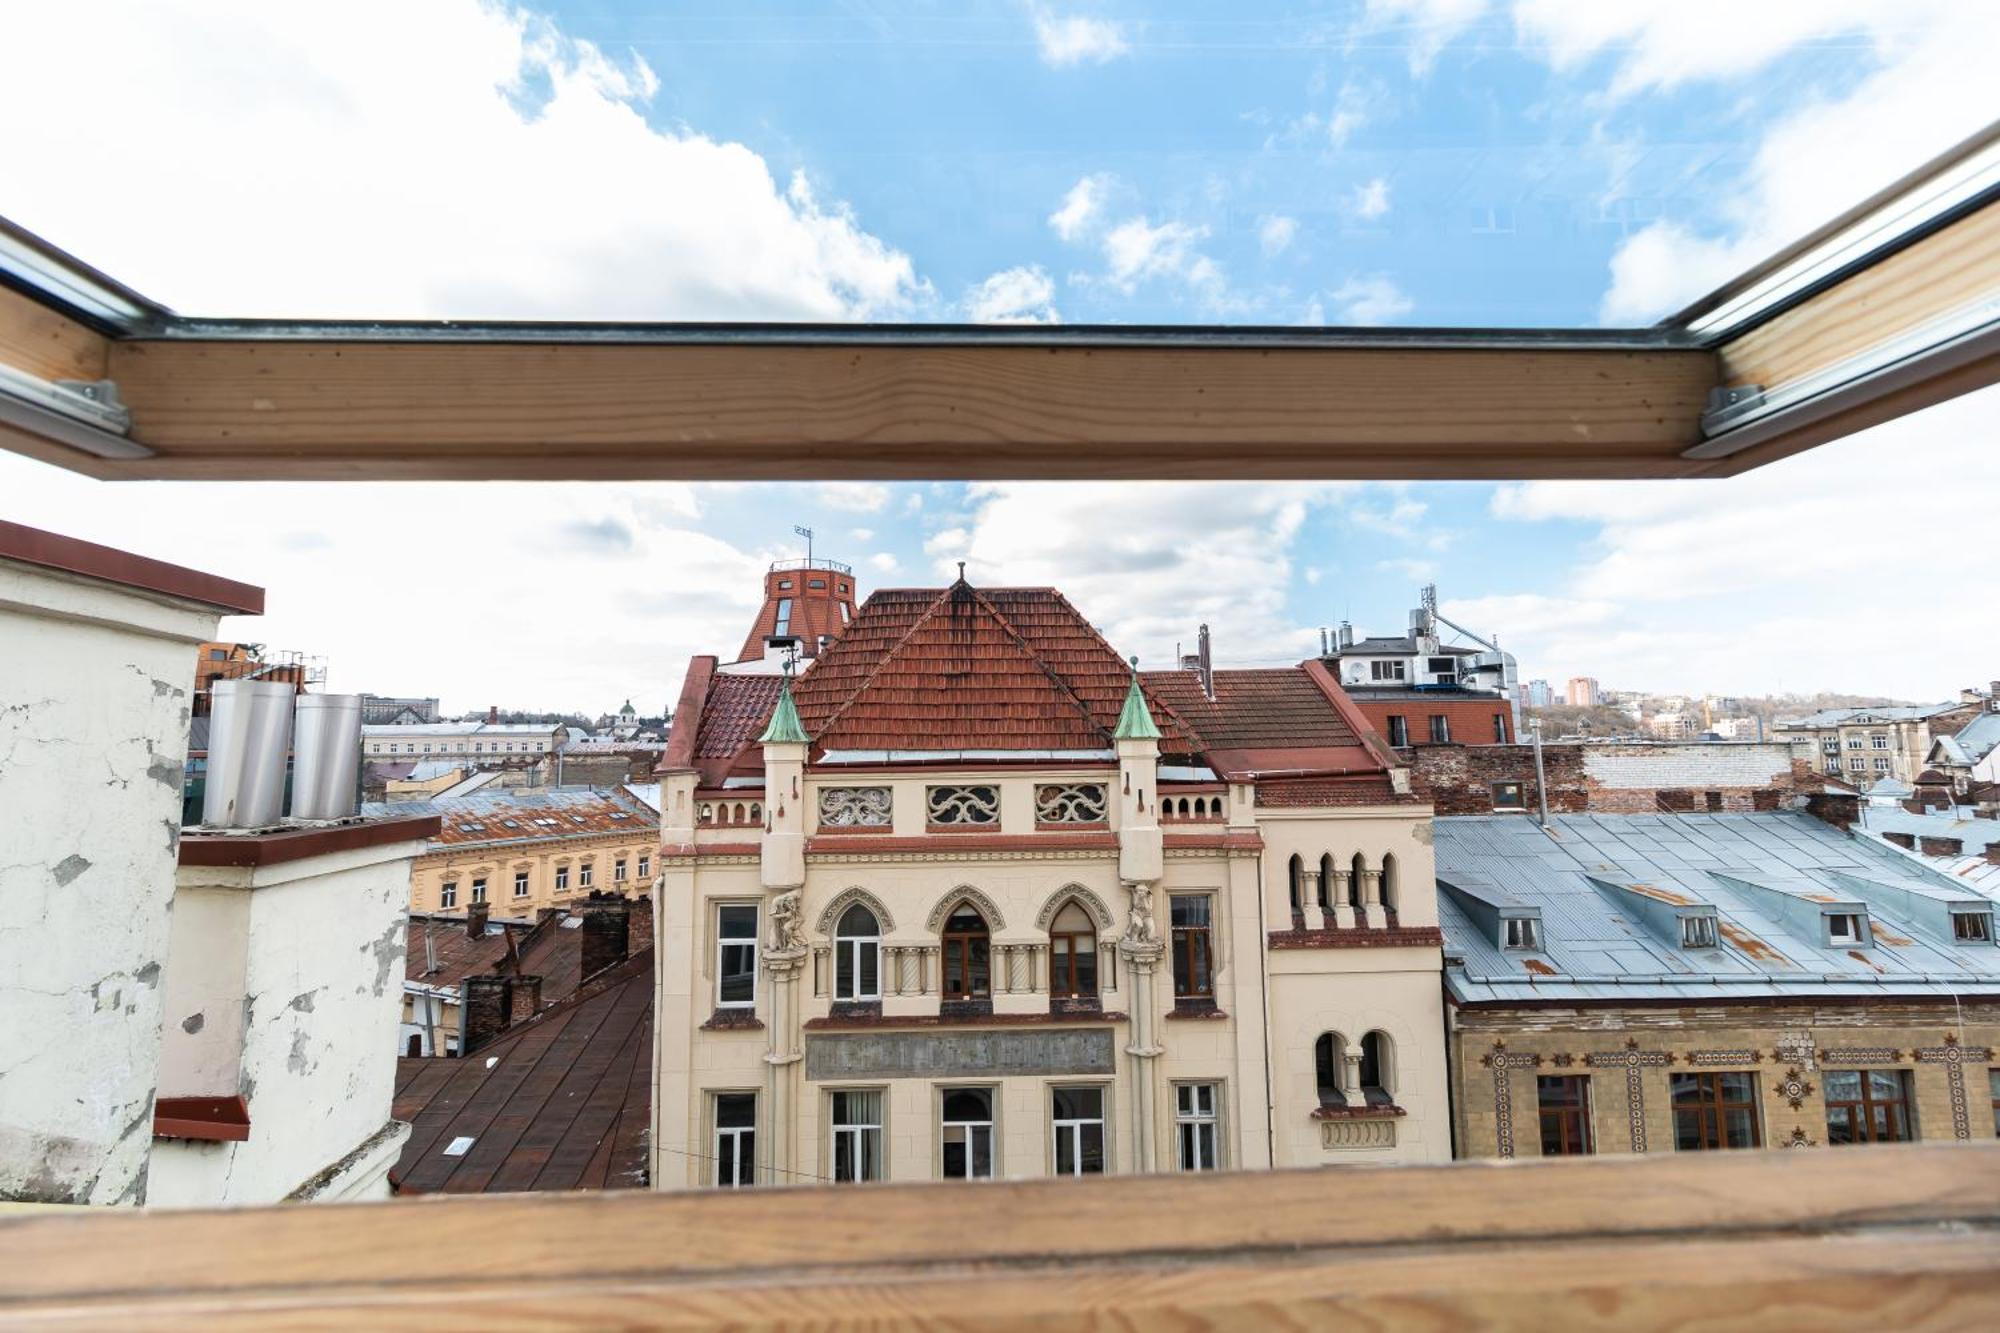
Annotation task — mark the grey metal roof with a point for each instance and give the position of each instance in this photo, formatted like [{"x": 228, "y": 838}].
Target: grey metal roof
[
  {"x": 1834, "y": 717},
  {"x": 1762, "y": 873},
  {"x": 1976, "y": 739}
]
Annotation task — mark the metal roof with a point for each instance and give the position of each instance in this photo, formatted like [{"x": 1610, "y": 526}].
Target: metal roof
[{"x": 1762, "y": 873}]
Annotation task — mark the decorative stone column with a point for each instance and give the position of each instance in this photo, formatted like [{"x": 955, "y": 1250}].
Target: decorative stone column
[
  {"x": 1142, "y": 949},
  {"x": 1371, "y": 897},
  {"x": 1350, "y": 1077},
  {"x": 1343, "y": 911},
  {"x": 782, "y": 967},
  {"x": 1316, "y": 917}
]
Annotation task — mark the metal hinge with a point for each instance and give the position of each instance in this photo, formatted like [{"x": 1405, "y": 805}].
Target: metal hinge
[
  {"x": 1728, "y": 403},
  {"x": 83, "y": 414}
]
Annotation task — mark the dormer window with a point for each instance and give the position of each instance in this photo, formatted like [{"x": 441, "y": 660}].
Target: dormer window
[
  {"x": 1520, "y": 932},
  {"x": 1698, "y": 932},
  {"x": 1973, "y": 927},
  {"x": 1846, "y": 930}
]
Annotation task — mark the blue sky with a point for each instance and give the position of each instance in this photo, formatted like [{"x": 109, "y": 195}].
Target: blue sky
[{"x": 1433, "y": 162}]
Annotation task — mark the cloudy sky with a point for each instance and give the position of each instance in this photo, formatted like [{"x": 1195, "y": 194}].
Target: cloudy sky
[{"x": 1433, "y": 162}]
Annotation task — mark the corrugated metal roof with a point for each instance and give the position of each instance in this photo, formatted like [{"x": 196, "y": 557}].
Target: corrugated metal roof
[{"x": 1593, "y": 950}]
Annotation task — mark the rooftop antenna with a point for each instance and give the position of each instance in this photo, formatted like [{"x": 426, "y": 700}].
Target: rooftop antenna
[{"x": 807, "y": 533}]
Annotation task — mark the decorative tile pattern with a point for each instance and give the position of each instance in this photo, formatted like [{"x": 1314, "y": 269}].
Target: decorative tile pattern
[
  {"x": 1793, "y": 1087},
  {"x": 1502, "y": 1063},
  {"x": 1633, "y": 1061},
  {"x": 1709, "y": 1059},
  {"x": 1953, "y": 1057},
  {"x": 1799, "y": 1139},
  {"x": 1861, "y": 1055}
]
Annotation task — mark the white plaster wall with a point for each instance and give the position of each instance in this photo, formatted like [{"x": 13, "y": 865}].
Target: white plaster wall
[
  {"x": 322, "y": 1003},
  {"x": 1734, "y": 764},
  {"x": 93, "y": 738}
]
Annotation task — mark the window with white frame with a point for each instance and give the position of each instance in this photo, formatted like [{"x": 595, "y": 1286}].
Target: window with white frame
[
  {"x": 1845, "y": 929},
  {"x": 1698, "y": 931},
  {"x": 857, "y": 955},
  {"x": 479, "y": 890},
  {"x": 562, "y": 879},
  {"x": 1972, "y": 927},
  {"x": 1395, "y": 670},
  {"x": 645, "y": 866},
  {"x": 857, "y": 1135},
  {"x": 1077, "y": 1115},
  {"x": 1196, "y": 1126},
  {"x": 520, "y": 883},
  {"x": 618, "y": 871},
  {"x": 448, "y": 893},
  {"x": 735, "y": 955},
  {"x": 1857, "y": 764},
  {"x": 1519, "y": 932},
  {"x": 583, "y": 875},
  {"x": 1881, "y": 764},
  {"x": 1880, "y": 742},
  {"x": 735, "y": 1139},
  {"x": 965, "y": 1134},
  {"x": 1853, "y": 742}
]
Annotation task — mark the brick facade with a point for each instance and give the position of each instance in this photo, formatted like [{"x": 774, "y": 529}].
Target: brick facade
[
  {"x": 1625, "y": 778},
  {"x": 1470, "y": 721},
  {"x": 1630, "y": 1055}
]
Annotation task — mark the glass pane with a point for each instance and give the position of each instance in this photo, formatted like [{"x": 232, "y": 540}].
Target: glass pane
[
  {"x": 978, "y": 978},
  {"x": 1843, "y": 1084},
  {"x": 962, "y": 1104},
  {"x": 858, "y": 920},
  {"x": 1086, "y": 975},
  {"x": 1739, "y": 1087},
  {"x": 1072, "y": 920},
  {"x": 1079, "y": 1103},
  {"x": 1065, "y": 1150},
  {"x": 1742, "y": 1127},
  {"x": 1190, "y": 909},
  {"x": 737, "y": 922},
  {"x": 1686, "y": 1087},
  {"x": 735, "y": 1110},
  {"x": 737, "y": 983},
  {"x": 869, "y": 957},
  {"x": 1885, "y": 1083},
  {"x": 1840, "y": 1124},
  {"x": 982, "y": 1153},
  {"x": 955, "y": 1157},
  {"x": 843, "y": 971},
  {"x": 1090, "y": 1155}
]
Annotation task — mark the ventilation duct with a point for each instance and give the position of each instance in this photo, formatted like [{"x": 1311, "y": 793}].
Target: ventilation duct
[
  {"x": 249, "y": 731},
  {"x": 326, "y": 772}
]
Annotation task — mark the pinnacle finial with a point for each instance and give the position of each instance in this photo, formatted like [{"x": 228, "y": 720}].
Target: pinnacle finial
[{"x": 1135, "y": 720}]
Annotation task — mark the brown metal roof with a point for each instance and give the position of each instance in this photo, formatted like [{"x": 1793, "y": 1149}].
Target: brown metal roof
[{"x": 561, "y": 1102}]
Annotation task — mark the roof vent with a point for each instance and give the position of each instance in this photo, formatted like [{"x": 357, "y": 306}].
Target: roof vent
[{"x": 1205, "y": 664}]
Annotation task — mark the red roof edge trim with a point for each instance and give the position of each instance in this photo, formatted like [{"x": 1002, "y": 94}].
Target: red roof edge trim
[
  {"x": 679, "y": 753},
  {"x": 1317, "y": 673}
]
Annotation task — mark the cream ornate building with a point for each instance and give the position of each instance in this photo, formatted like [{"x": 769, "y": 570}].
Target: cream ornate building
[{"x": 971, "y": 897}]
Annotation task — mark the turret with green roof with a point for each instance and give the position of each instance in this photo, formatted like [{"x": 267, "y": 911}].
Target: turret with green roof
[{"x": 1135, "y": 720}]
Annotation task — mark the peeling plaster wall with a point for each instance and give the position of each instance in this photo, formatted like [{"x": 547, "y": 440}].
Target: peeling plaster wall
[
  {"x": 93, "y": 734},
  {"x": 321, "y": 944}
]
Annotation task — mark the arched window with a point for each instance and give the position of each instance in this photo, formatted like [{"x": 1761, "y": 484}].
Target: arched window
[
  {"x": 857, "y": 955},
  {"x": 1378, "y": 1069},
  {"x": 1329, "y": 1062},
  {"x": 968, "y": 948},
  {"x": 1072, "y": 954},
  {"x": 739, "y": 812},
  {"x": 1326, "y": 883},
  {"x": 1354, "y": 881},
  {"x": 756, "y": 812},
  {"x": 1298, "y": 878},
  {"x": 1389, "y": 888}
]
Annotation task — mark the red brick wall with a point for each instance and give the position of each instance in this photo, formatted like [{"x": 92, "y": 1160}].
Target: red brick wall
[
  {"x": 1471, "y": 721},
  {"x": 1689, "y": 778}
]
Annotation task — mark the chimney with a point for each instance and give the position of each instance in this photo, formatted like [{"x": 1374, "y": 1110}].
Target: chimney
[
  {"x": 492, "y": 714},
  {"x": 1325, "y": 649},
  {"x": 483, "y": 1011},
  {"x": 639, "y": 927},
  {"x": 524, "y": 998},
  {"x": 326, "y": 744},
  {"x": 476, "y": 917},
  {"x": 1206, "y": 664},
  {"x": 1346, "y": 634},
  {"x": 1993, "y": 695},
  {"x": 606, "y": 931},
  {"x": 249, "y": 735}
]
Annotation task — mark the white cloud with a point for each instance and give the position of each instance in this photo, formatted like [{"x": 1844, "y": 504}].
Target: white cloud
[
  {"x": 1149, "y": 562},
  {"x": 1402, "y": 516},
  {"x": 883, "y": 562},
  {"x": 1427, "y": 26},
  {"x": 1372, "y": 298},
  {"x": 862, "y": 534},
  {"x": 1411, "y": 570},
  {"x": 1804, "y": 574},
  {"x": 853, "y": 497},
  {"x": 1825, "y": 154},
  {"x": 1276, "y": 233},
  {"x": 1371, "y": 200},
  {"x": 1136, "y": 251},
  {"x": 382, "y": 159},
  {"x": 948, "y": 542},
  {"x": 1072, "y": 39},
  {"x": 1081, "y": 207},
  {"x": 1024, "y": 295},
  {"x": 1350, "y": 112},
  {"x": 631, "y": 564}
]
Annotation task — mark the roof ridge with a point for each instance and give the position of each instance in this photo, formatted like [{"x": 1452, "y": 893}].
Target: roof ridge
[
  {"x": 882, "y": 661},
  {"x": 1041, "y": 662}
]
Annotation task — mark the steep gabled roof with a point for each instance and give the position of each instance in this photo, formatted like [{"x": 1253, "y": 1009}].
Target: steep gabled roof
[{"x": 965, "y": 668}]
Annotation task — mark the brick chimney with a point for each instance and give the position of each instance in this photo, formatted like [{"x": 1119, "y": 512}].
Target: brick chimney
[
  {"x": 639, "y": 930},
  {"x": 606, "y": 931},
  {"x": 1993, "y": 853},
  {"x": 492, "y": 714},
  {"x": 524, "y": 998},
  {"x": 483, "y": 1011},
  {"x": 476, "y": 917}
]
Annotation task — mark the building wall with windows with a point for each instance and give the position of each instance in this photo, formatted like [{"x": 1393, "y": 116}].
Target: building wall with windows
[
  {"x": 1685, "y": 1078},
  {"x": 475, "y": 742},
  {"x": 1864, "y": 745}
]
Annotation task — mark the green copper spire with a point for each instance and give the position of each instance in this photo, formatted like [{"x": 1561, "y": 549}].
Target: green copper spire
[
  {"x": 1135, "y": 722},
  {"x": 785, "y": 726}
]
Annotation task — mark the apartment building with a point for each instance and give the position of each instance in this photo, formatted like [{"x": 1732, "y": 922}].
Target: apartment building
[
  {"x": 1418, "y": 689},
  {"x": 1680, "y": 983},
  {"x": 518, "y": 850},
  {"x": 1583, "y": 692},
  {"x": 1863, "y": 745},
  {"x": 474, "y": 743},
  {"x": 971, "y": 897}
]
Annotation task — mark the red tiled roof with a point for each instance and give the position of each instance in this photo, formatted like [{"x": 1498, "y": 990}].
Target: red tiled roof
[
  {"x": 1253, "y": 709},
  {"x": 734, "y": 714},
  {"x": 966, "y": 668},
  {"x": 561, "y": 1102},
  {"x": 1362, "y": 789}
]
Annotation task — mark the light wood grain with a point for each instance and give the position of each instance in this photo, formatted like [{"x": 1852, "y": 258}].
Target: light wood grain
[
  {"x": 769, "y": 412},
  {"x": 45, "y": 344},
  {"x": 1904, "y": 1234}
]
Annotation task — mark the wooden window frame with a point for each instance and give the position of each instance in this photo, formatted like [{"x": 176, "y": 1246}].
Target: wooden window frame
[
  {"x": 1710, "y": 1108},
  {"x": 1181, "y": 940},
  {"x": 1572, "y": 1121},
  {"x": 1062, "y": 949},
  {"x": 1903, "y": 1107},
  {"x": 964, "y": 940}
]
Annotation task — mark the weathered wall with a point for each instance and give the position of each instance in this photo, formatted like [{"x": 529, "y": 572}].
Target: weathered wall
[
  {"x": 1623, "y": 778},
  {"x": 1786, "y": 1048},
  {"x": 321, "y": 947},
  {"x": 93, "y": 735}
]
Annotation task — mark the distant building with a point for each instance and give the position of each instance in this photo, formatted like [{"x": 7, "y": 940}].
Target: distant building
[
  {"x": 1583, "y": 692},
  {"x": 1536, "y": 694},
  {"x": 250, "y": 661},
  {"x": 807, "y": 605},
  {"x": 1863, "y": 744},
  {"x": 1970, "y": 757},
  {"x": 518, "y": 850},
  {"x": 1672, "y": 726},
  {"x": 478, "y": 744},
  {"x": 381, "y": 710},
  {"x": 1418, "y": 690},
  {"x": 1661, "y": 985}
]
